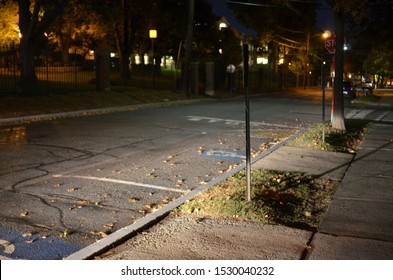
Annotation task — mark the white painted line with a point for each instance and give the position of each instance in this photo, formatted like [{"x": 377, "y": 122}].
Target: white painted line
[
  {"x": 121, "y": 182},
  {"x": 364, "y": 113},
  {"x": 235, "y": 122},
  {"x": 351, "y": 114},
  {"x": 355, "y": 114},
  {"x": 382, "y": 116}
]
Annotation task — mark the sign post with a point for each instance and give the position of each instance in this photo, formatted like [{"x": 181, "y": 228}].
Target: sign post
[
  {"x": 323, "y": 99},
  {"x": 330, "y": 46},
  {"x": 247, "y": 111}
]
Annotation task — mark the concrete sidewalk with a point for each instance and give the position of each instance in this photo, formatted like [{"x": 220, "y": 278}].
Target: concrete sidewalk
[{"x": 358, "y": 224}]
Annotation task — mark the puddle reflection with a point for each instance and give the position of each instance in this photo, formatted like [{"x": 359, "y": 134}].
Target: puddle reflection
[{"x": 13, "y": 135}]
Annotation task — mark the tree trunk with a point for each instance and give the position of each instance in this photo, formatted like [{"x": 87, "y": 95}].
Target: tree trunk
[
  {"x": 28, "y": 75},
  {"x": 338, "y": 121},
  {"x": 124, "y": 60}
]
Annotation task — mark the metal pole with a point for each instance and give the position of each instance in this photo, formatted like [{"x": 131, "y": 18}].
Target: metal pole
[
  {"x": 248, "y": 150},
  {"x": 323, "y": 100},
  {"x": 153, "y": 64},
  {"x": 247, "y": 111},
  {"x": 188, "y": 48}
]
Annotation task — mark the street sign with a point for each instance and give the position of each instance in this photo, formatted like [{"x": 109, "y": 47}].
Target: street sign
[{"x": 330, "y": 44}]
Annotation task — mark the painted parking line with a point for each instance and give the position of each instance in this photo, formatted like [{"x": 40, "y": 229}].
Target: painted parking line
[
  {"x": 236, "y": 122},
  {"x": 102, "y": 179}
]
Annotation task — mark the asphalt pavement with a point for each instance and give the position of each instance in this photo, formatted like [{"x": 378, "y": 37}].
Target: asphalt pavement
[{"x": 358, "y": 224}]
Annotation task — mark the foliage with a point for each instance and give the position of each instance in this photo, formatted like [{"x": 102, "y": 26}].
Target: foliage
[
  {"x": 77, "y": 28},
  {"x": 380, "y": 59},
  {"x": 335, "y": 140},
  {"x": 282, "y": 26},
  {"x": 9, "y": 30}
]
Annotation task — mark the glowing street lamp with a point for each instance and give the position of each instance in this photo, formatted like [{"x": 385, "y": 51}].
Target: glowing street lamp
[
  {"x": 326, "y": 34},
  {"x": 153, "y": 34}
]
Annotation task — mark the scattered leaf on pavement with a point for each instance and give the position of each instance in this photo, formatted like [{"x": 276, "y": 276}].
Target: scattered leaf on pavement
[
  {"x": 24, "y": 214},
  {"x": 133, "y": 199}
]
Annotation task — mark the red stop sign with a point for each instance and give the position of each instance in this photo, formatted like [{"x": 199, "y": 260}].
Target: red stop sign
[{"x": 330, "y": 44}]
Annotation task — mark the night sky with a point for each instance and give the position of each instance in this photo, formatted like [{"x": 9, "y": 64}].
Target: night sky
[{"x": 220, "y": 8}]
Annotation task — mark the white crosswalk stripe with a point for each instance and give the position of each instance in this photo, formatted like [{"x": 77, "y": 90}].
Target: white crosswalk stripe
[
  {"x": 358, "y": 114},
  {"x": 369, "y": 114}
]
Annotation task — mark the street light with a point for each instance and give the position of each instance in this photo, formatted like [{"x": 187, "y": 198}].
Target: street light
[{"x": 326, "y": 34}]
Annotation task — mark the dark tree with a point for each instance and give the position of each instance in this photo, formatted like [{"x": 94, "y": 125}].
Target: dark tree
[{"x": 34, "y": 20}]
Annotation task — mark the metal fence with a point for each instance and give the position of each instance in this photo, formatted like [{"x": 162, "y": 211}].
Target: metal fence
[
  {"x": 72, "y": 72},
  {"x": 54, "y": 72}
]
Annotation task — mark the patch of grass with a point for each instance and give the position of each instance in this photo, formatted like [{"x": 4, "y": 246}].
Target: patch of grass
[
  {"x": 335, "y": 140},
  {"x": 287, "y": 198}
]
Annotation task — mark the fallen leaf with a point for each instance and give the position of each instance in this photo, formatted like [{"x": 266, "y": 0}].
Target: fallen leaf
[
  {"x": 133, "y": 199},
  {"x": 24, "y": 214},
  {"x": 71, "y": 189},
  {"x": 82, "y": 201},
  {"x": 64, "y": 234},
  {"x": 108, "y": 226}
]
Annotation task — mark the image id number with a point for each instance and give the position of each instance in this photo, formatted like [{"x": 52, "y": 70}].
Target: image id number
[{"x": 229, "y": 270}]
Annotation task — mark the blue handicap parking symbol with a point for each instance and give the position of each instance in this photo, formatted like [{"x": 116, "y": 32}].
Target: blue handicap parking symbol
[
  {"x": 223, "y": 154},
  {"x": 14, "y": 245}
]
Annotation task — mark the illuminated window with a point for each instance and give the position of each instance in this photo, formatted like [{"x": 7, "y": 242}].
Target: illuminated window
[
  {"x": 262, "y": 60},
  {"x": 222, "y": 25}
]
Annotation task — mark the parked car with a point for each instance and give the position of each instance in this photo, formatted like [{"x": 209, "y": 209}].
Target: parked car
[{"x": 349, "y": 90}]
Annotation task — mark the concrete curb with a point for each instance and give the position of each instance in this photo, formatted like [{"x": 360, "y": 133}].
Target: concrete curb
[
  {"x": 91, "y": 112},
  {"x": 124, "y": 233}
]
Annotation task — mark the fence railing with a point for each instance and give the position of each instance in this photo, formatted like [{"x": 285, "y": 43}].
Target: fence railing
[
  {"x": 54, "y": 75},
  {"x": 72, "y": 72}
]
